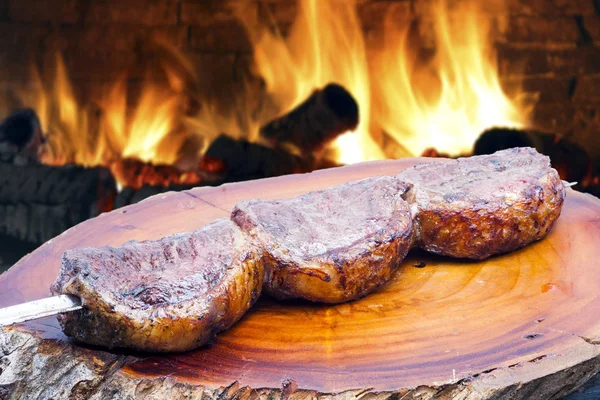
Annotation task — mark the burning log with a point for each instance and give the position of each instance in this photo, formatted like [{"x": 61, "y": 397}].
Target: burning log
[
  {"x": 20, "y": 138},
  {"x": 327, "y": 113},
  {"x": 226, "y": 160},
  {"x": 241, "y": 160},
  {"x": 38, "y": 202},
  {"x": 141, "y": 180}
]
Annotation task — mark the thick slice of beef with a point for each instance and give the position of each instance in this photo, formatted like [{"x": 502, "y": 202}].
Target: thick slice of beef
[
  {"x": 479, "y": 206},
  {"x": 331, "y": 245},
  {"x": 172, "y": 294}
]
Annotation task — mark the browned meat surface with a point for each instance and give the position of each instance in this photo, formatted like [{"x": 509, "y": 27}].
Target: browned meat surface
[
  {"x": 330, "y": 245},
  {"x": 172, "y": 294},
  {"x": 479, "y": 206}
]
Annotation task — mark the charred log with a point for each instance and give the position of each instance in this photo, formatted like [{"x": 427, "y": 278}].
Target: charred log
[
  {"x": 55, "y": 185},
  {"x": 241, "y": 160},
  {"x": 38, "y": 202},
  {"x": 36, "y": 223},
  {"x": 226, "y": 160},
  {"x": 327, "y": 113}
]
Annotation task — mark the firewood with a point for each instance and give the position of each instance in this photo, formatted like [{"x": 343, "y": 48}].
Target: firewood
[
  {"x": 38, "y": 202},
  {"x": 20, "y": 127},
  {"x": 68, "y": 184},
  {"x": 37, "y": 223},
  {"x": 327, "y": 113}
]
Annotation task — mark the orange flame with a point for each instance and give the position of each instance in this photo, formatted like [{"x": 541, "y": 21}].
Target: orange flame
[
  {"x": 445, "y": 102},
  {"x": 57, "y": 107},
  {"x": 102, "y": 133},
  {"x": 452, "y": 100},
  {"x": 74, "y": 137},
  {"x": 325, "y": 44}
]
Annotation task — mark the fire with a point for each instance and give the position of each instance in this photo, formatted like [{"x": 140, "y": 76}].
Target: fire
[
  {"x": 405, "y": 102},
  {"x": 325, "y": 44},
  {"x": 136, "y": 137},
  {"x": 150, "y": 133},
  {"x": 445, "y": 103},
  {"x": 111, "y": 133},
  {"x": 450, "y": 101},
  {"x": 58, "y": 109}
]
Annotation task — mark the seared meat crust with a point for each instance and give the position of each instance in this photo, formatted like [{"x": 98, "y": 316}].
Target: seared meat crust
[
  {"x": 172, "y": 294},
  {"x": 331, "y": 245},
  {"x": 480, "y": 206}
]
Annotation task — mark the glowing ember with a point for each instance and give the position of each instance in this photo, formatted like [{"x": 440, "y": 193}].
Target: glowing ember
[{"x": 138, "y": 174}]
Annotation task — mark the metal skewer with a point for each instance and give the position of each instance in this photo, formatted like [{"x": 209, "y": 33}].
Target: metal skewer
[{"x": 39, "y": 308}]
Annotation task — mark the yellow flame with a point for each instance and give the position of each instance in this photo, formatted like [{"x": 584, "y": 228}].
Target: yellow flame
[
  {"x": 58, "y": 107},
  {"x": 325, "y": 45},
  {"x": 97, "y": 135},
  {"x": 449, "y": 102},
  {"x": 445, "y": 102},
  {"x": 154, "y": 119}
]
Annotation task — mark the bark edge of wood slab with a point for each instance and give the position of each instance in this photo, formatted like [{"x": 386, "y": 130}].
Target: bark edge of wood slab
[{"x": 521, "y": 325}]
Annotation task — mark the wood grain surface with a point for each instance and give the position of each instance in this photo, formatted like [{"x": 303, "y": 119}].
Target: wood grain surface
[{"x": 527, "y": 318}]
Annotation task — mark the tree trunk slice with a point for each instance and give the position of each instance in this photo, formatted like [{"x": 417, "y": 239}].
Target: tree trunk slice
[{"x": 523, "y": 325}]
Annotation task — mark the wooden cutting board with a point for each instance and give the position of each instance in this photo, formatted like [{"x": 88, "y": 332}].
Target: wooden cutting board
[{"x": 525, "y": 324}]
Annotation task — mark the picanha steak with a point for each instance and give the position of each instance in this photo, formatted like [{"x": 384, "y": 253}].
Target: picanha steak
[
  {"x": 331, "y": 245},
  {"x": 172, "y": 294},
  {"x": 479, "y": 206}
]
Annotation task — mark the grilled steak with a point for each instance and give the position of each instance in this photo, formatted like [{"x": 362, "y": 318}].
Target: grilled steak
[
  {"x": 172, "y": 294},
  {"x": 479, "y": 206},
  {"x": 330, "y": 245}
]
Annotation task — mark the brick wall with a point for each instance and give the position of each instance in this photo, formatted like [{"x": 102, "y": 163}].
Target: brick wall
[{"x": 550, "y": 45}]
